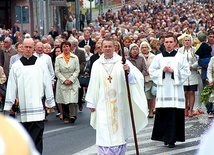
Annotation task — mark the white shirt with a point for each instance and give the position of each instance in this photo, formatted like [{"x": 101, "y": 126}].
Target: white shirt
[{"x": 47, "y": 59}]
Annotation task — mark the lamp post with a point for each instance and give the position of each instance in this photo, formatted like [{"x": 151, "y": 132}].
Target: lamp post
[
  {"x": 102, "y": 6},
  {"x": 91, "y": 10},
  {"x": 41, "y": 27},
  {"x": 77, "y": 8}
]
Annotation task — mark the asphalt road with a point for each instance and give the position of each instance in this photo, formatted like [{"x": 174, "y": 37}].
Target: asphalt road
[
  {"x": 68, "y": 139},
  {"x": 79, "y": 138}
]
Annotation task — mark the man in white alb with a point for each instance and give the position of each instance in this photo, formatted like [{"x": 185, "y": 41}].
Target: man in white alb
[
  {"x": 107, "y": 99},
  {"x": 29, "y": 81}
]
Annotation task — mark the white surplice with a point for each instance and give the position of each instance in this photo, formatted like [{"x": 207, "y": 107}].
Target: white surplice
[
  {"x": 170, "y": 92},
  {"x": 29, "y": 84}
]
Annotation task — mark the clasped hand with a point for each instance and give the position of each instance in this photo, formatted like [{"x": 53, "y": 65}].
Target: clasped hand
[
  {"x": 168, "y": 69},
  {"x": 67, "y": 82},
  {"x": 92, "y": 109}
]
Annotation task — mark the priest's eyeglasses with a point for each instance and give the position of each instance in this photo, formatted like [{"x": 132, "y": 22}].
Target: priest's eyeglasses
[{"x": 28, "y": 47}]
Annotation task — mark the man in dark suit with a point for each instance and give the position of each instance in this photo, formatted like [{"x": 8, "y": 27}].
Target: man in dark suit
[
  {"x": 82, "y": 61},
  {"x": 15, "y": 28},
  {"x": 53, "y": 33},
  {"x": 36, "y": 35},
  {"x": 5, "y": 35},
  {"x": 87, "y": 41},
  {"x": 82, "y": 21},
  {"x": 96, "y": 56}
]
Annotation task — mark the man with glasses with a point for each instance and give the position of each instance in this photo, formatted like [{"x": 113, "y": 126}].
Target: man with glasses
[
  {"x": 6, "y": 54},
  {"x": 96, "y": 56},
  {"x": 82, "y": 62},
  {"x": 87, "y": 41}
]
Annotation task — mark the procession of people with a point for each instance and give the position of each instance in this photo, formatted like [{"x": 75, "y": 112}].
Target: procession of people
[{"x": 168, "y": 51}]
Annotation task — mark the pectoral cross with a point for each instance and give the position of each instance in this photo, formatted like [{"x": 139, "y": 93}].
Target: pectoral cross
[{"x": 109, "y": 78}]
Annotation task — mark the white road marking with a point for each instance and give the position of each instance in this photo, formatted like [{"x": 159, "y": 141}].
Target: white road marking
[{"x": 59, "y": 129}]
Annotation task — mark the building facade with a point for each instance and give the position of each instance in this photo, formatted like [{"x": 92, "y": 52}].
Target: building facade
[{"x": 32, "y": 14}]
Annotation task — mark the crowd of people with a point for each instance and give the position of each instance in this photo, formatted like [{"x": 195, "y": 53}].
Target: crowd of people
[{"x": 168, "y": 47}]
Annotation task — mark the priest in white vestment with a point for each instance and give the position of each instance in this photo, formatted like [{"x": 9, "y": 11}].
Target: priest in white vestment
[{"x": 107, "y": 99}]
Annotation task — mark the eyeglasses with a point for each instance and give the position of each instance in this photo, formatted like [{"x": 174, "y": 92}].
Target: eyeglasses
[
  {"x": 6, "y": 42},
  {"x": 28, "y": 47},
  {"x": 136, "y": 49}
]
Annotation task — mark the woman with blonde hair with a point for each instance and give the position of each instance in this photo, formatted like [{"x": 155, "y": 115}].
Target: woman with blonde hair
[
  {"x": 191, "y": 83},
  {"x": 155, "y": 46},
  {"x": 88, "y": 54},
  {"x": 47, "y": 48},
  {"x": 195, "y": 42},
  {"x": 117, "y": 47}
]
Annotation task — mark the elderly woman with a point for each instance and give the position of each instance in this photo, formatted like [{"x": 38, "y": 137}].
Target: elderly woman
[
  {"x": 67, "y": 70},
  {"x": 137, "y": 60},
  {"x": 191, "y": 83},
  {"x": 148, "y": 56}
]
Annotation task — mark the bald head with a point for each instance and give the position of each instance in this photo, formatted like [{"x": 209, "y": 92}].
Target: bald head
[
  {"x": 39, "y": 49},
  {"x": 28, "y": 45},
  {"x": 30, "y": 40}
]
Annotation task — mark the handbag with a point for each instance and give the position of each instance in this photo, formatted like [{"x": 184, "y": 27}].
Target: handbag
[
  {"x": 3, "y": 89},
  {"x": 154, "y": 90},
  {"x": 84, "y": 80}
]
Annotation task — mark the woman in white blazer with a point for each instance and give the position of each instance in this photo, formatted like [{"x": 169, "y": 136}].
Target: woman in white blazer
[{"x": 67, "y": 70}]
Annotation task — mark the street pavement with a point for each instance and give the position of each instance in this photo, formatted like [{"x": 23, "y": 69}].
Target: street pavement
[
  {"x": 79, "y": 138},
  {"x": 194, "y": 128}
]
